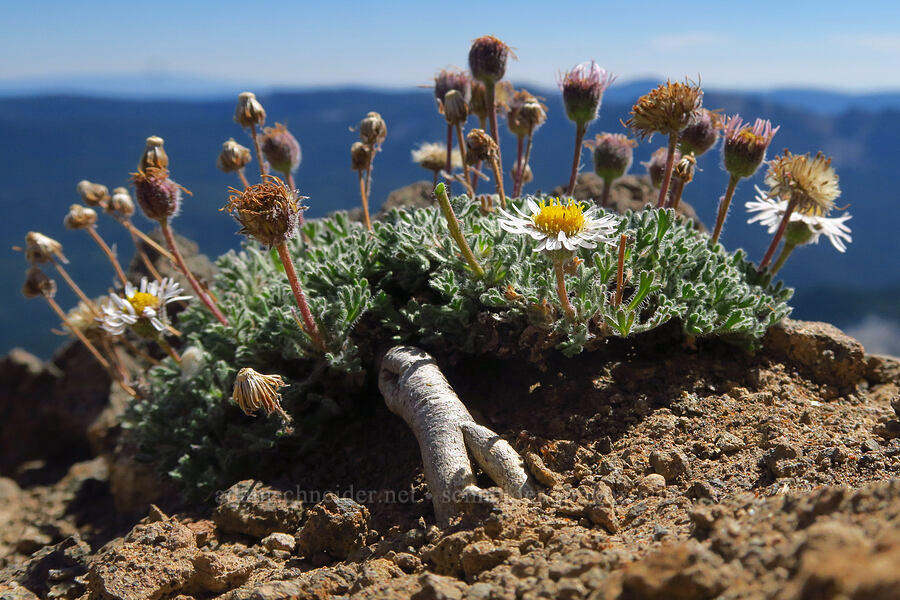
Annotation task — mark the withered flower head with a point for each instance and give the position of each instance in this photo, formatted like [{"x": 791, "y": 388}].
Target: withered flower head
[
  {"x": 372, "y": 129},
  {"x": 360, "y": 156},
  {"x": 487, "y": 59},
  {"x": 701, "y": 134},
  {"x": 433, "y": 156},
  {"x": 524, "y": 113},
  {"x": 455, "y": 109},
  {"x": 668, "y": 109},
  {"x": 154, "y": 154},
  {"x": 656, "y": 166},
  {"x": 745, "y": 146},
  {"x": 82, "y": 318},
  {"x": 527, "y": 175},
  {"x": 233, "y": 157},
  {"x": 478, "y": 105},
  {"x": 253, "y": 390},
  {"x": 92, "y": 194},
  {"x": 479, "y": 146},
  {"x": 80, "y": 217},
  {"x": 452, "y": 79},
  {"x": 582, "y": 90},
  {"x": 269, "y": 212},
  {"x": 280, "y": 148},
  {"x": 38, "y": 284},
  {"x": 121, "y": 202},
  {"x": 41, "y": 249},
  {"x": 811, "y": 182},
  {"x": 684, "y": 168},
  {"x": 613, "y": 155},
  {"x": 157, "y": 195},
  {"x": 249, "y": 111}
]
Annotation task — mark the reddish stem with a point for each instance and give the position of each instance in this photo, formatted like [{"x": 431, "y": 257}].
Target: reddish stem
[
  {"x": 667, "y": 176},
  {"x": 311, "y": 327},
  {"x": 518, "y": 175},
  {"x": 179, "y": 261},
  {"x": 792, "y": 204},
  {"x": 561, "y": 289},
  {"x": 580, "y": 129},
  {"x": 604, "y": 197},
  {"x": 723, "y": 207},
  {"x": 263, "y": 170}
]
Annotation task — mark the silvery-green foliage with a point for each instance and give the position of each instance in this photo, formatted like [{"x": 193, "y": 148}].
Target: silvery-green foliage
[{"x": 406, "y": 282}]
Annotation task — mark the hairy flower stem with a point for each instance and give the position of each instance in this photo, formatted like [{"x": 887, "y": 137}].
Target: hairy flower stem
[
  {"x": 517, "y": 171},
  {"x": 792, "y": 204},
  {"x": 620, "y": 276},
  {"x": 289, "y": 178},
  {"x": 492, "y": 115},
  {"x": 604, "y": 195},
  {"x": 263, "y": 170},
  {"x": 77, "y": 332},
  {"x": 455, "y": 232},
  {"x": 147, "y": 239},
  {"x": 309, "y": 324},
  {"x": 560, "y": 272},
  {"x": 723, "y": 207},
  {"x": 365, "y": 199},
  {"x": 109, "y": 254},
  {"x": 785, "y": 252},
  {"x": 448, "y": 164},
  {"x": 78, "y": 291},
  {"x": 667, "y": 175},
  {"x": 182, "y": 266},
  {"x": 460, "y": 141},
  {"x": 498, "y": 175},
  {"x": 580, "y": 129},
  {"x": 675, "y": 196}
]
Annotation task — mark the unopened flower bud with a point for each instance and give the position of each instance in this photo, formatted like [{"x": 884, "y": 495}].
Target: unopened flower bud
[
  {"x": 269, "y": 212},
  {"x": 613, "y": 154},
  {"x": 281, "y": 148},
  {"x": 701, "y": 134},
  {"x": 38, "y": 284},
  {"x": 121, "y": 202},
  {"x": 582, "y": 90},
  {"x": 92, "y": 194},
  {"x": 448, "y": 80},
  {"x": 525, "y": 113},
  {"x": 42, "y": 249},
  {"x": 479, "y": 146},
  {"x": 372, "y": 129},
  {"x": 154, "y": 155},
  {"x": 233, "y": 157},
  {"x": 360, "y": 156},
  {"x": 487, "y": 59},
  {"x": 684, "y": 168},
  {"x": 478, "y": 106},
  {"x": 455, "y": 109},
  {"x": 249, "y": 111},
  {"x": 80, "y": 217},
  {"x": 745, "y": 146},
  {"x": 656, "y": 166},
  {"x": 157, "y": 195}
]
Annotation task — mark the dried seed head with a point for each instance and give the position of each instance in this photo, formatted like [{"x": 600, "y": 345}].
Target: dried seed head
[
  {"x": 684, "y": 168},
  {"x": 668, "y": 109},
  {"x": 524, "y": 113},
  {"x": 701, "y": 133},
  {"x": 154, "y": 155},
  {"x": 478, "y": 105},
  {"x": 249, "y": 112},
  {"x": 281, "y": 148},
  {"x": 487, "y": 59},
  {"x": 613, "y": 154},
  {"x": 254, "y": 391},
  {"x": 233, "y": 157},
  {"x": 38, "y": 284},
  {"x": 121, "y": 202},
  {"x": 811, "y": 182},
  {"x": 92, "y": 194},
  {"x": 82, "y": 318},
  {"x": 433, "y": 156},
  {"x": 656, "y": 166},
  {"x": 455, "y": 109},
  {"x": 479, "y": 146},
  {"x": 582, "y": 90},
  {"x": 372, "y": 129},
  {"x": 452, "y": 79},
  {"x": 528, "y": 176},
  {"x": 269, "y": 212},
  {"x": 80, "y": 217},
  {"x": 41, "y": 249},
  {"x": 157, "y": 195},
  {"x": 360, "y": 156},
  {"x": 745, "y": 147}
]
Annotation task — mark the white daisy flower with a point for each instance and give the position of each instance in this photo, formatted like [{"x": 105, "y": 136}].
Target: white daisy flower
[
  {"x": 559, "y": 226},
  {"x": 770, "y": 211},
  {"x": 143, "y": 309}
]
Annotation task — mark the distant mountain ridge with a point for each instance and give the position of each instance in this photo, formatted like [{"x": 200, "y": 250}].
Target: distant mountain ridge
[{"x": 52, "y": 142}]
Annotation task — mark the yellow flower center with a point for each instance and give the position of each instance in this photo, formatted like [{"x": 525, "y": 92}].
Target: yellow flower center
[
  {"x": 141, "y": 300},
  {"x": 555, "y": 216}
]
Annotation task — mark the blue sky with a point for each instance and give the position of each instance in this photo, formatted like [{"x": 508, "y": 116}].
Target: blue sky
[{"x": 837, "y": 45}]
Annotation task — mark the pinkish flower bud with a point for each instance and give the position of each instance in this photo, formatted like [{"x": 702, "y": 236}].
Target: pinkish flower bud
[
  {"x": 281, "y": 148},
  {"x": 582, "y": 89},
  {"x": 613, "y": 154},
  {"x": 157, "y": 195},
  {"x": 454, "y": 79},
  {"x": 745, "y": 146},
  {"x": 701, "y": 134},
  {"x": 487, "y": 59},
  {"x": 656, "y": 166}
]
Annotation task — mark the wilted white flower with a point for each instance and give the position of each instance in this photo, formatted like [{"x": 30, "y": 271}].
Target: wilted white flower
[
  {"x": 559, "y": 226},
  {"x": 769, "y": 213},
  {"x": 143, "y": 309}
]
